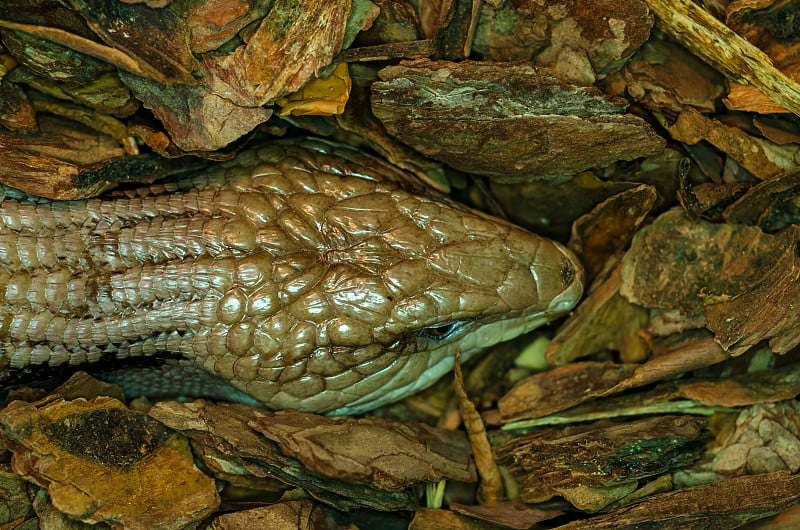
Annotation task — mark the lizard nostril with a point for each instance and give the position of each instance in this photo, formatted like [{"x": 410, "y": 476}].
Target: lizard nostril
[
  {"x": 567, "y": 272},
  {"x": 572, "y": 281}
]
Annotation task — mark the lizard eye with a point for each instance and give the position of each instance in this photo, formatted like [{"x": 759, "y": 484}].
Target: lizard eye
[{"x": 442, "y": 331}]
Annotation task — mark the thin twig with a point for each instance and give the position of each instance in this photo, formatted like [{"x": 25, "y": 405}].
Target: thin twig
[{"x": 490, "y": 489}]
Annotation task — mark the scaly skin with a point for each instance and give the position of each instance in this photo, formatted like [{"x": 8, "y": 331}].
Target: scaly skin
[{"x": 303, "y": 274}]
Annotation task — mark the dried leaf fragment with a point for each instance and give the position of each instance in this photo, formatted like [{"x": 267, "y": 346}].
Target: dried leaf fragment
[{"x": 321, "y": 96}]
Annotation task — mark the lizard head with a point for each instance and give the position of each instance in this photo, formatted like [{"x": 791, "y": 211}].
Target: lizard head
[{"x": 376, "y": 288}]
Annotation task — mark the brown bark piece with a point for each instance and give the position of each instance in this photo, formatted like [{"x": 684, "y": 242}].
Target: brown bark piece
[
  {"x": 744, "y": 281},
  {"x": 676, "y": 355},
  {"x": 233, "y": 451},
  {"x": 47, "y": 517},
  {"x": 606, "y": 230},
  {"x": 708, "y": 200},
  {"x": 67, "y": 161},
  {"x": 240, "y": 82},
  {"x": 690, "y": 287},
  {"x": 571, "y": 384},
  {"x": 604, "y": 321},
  {"x": 456, "y": 27},
  {"x": 382, "y": 453},
  {"x": 211, "y": 25},
  {"x": 156, "y": 39},
  {"x": 102, "y": 462},
  {"x": 766, "y": 439},
  {"x": 15, "y": 496},
  {"x": 207, "y": 102},
  {"x": 768, "y": 204},
  {"x": 786, "y": 520},
  {"x": 549, "y": 207},
  {"x": 580, "y": 466},
  {"x": 358, "y": 119},
  {"x": 84, "y": 45},
  {"x": 53, "y": 160},
  {"x": 396, "y": 22},
  {"x": 715, "y": 43},
  {"x": 666, "y": 78},
  {"x": 66, "y": 74},
  {"x": 698, "y": 394},
  {"x": 580, "y": 40},
  {"x": 16, "y": 112},
  {"x": 94, "y": 120},
  {"x": 344, "y": 462},
  {"x": 691, "y": 127},
  {"x": 46, "y": 13},
  {"x": 513, "y": 514},
  {"x": 290, "y": 515},
  {"x": 769, "y": 26},
  {"x": 762, "y": 386},
  {"x": 778, "y": 128},
  {"x": 83, "y": 385},
  {"x": 303, "y": 37},
  {"x": 438, "y": 519},
  {"x": 725, "y": 504},
  {"x": 471, "y": 116},
  {"x": 197, "y": 118},
  {"x": 560, "y": 388},
  {"x": 490, "y": 487}
]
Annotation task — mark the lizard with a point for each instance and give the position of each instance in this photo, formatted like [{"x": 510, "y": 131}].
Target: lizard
[{"x": 305, "y": 274}]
